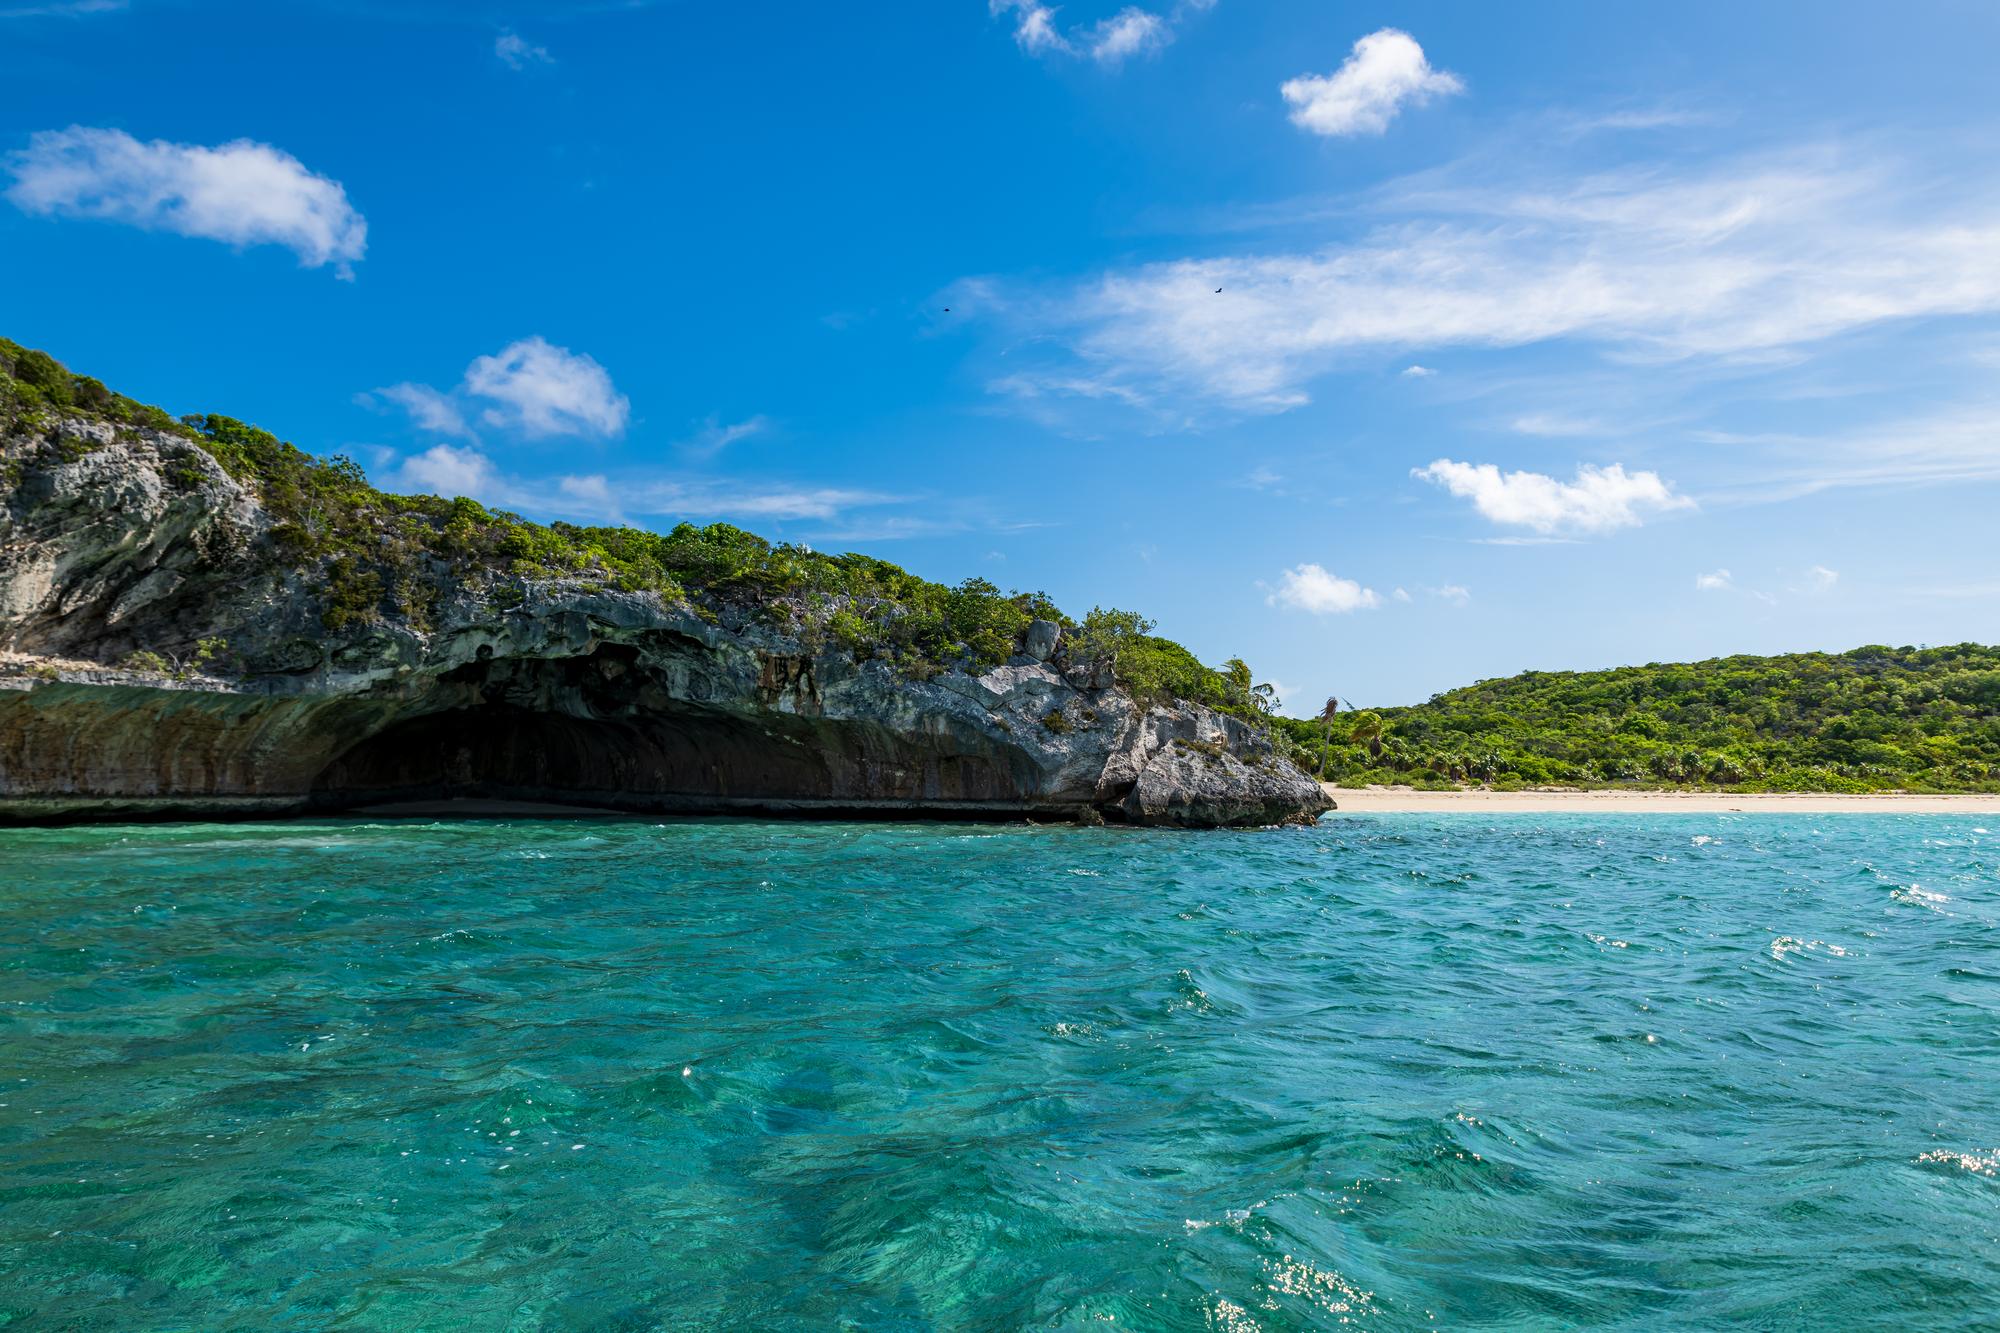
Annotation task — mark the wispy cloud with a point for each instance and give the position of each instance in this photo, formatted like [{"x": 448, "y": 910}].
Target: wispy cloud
[
  {"x": 1555, "y": 425},
  {"x": 1386, "y": 72},
  {"x": 67, "y": 9},
  {"x": 716, "y": 435},
  {"x": 429, "y": 409},
  {"x": 1724, "y": 264},
  {"x": 1130, "y": 32},
  {"x": 1598, "y": 500},
  {"x": 1721, "y": 580},
  {"x": 517, "y": 52},
  {"x": 1958, "y": 442},
  {"x": 453, "y": 470},
  {"x": 1110, "y": 42},
  {"x": 241, "y": 193}
]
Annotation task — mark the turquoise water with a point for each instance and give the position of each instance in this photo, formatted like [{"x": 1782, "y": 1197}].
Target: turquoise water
[{"x": 1409, "y": 1072}]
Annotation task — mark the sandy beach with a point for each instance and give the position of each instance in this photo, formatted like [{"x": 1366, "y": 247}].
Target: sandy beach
[{"x": 1390, "y": 800}]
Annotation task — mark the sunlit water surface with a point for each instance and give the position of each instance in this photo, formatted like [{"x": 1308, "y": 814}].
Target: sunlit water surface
[{"x": 1461, "y": 1071}]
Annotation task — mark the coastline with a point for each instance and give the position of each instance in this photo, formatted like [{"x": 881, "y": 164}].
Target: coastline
[{"x": 1408, "y": 800}]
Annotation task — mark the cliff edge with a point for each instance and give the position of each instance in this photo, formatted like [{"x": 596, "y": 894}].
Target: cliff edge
[{"x": 199, "y": 620}]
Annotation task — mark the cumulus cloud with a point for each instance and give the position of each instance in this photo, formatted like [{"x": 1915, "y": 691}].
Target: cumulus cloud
[
  {"x": 1312, "y": 588},
  {"x": 1821, "y": 579},
  {"x": 1718, "y": 580},
  {"x": 1418, "y": 372},
  {"x": 242, "y": 192},
  {"x": 540, "y": 389},
  {"x": 531, "y": 388},
  {"x": 1600, "y": 499},
  {"x": 451, "y": 471},
  {"x": 1453, "y": 593},
  {"x": 1386, "y": 72},
  {"x": 517, "y": 52}
]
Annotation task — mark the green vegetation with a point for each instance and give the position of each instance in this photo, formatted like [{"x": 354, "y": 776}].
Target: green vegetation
[
  {"x": 1873, "y": 719},
  {"x": 378, "y": 557}
]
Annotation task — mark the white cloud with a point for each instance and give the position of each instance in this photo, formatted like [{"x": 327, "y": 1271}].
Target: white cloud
[
  {"x": 1554, "y": 425},
  {"x": 1721, "y": 580},
  {"x": 1600, "y": 499},
  {"x": 1262, "y": 478},
  {"x": 530, "y": 387},
  {"x": 1034, "y": 26},
  {"x": 517, "y": 52},
  {"x": 1110, "y": 42},
  {"x": 1453, "y": 593},
  {"x": 715, "y": 435},
  {"x": 1418, "y": 372},
  {"x": 1401, "y": 595},
  {"x": 241, "y": 193},
  {"x": 1713, "y": 265},
  {"x": 1822, "y": 579},
  {"x": 1129, "y": 32},
  {"x": 428, "y": 408},
  {"x": 65, "y": 9},
  {"x": 452, "y": 470},
  {"x": 1312, "y": 588},
  {"x": 540, "y": 389},
  {"x": 1387, "y": 71}
]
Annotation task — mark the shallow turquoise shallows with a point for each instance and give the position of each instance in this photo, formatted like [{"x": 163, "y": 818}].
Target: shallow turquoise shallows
[{"x": 1410, "y": 1072}]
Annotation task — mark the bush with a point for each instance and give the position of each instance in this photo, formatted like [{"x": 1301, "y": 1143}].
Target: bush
[{"x": 376, "y": 555}]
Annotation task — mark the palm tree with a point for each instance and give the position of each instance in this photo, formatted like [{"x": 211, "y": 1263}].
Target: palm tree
[
  {"x": 1366, "y": 729},
  {"x": 1326, "y": 716}
]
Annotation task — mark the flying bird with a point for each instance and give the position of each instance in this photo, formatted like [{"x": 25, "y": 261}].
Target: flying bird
[{"x": 1218, "y": 291}]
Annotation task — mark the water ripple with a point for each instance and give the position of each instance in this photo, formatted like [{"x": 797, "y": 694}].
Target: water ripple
[{"x": 1401, "y": 1072}]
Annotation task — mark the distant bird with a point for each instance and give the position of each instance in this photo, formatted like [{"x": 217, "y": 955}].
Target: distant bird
[
  {"x": 947, "y": 310},
  {"x": 1218, "y": 291}
]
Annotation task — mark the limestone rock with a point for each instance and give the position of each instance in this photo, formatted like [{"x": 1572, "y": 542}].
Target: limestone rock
[{"x": 558, "y": 691}]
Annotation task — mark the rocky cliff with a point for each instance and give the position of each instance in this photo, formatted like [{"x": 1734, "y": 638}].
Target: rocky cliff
[{"x": 183, "y": 632}]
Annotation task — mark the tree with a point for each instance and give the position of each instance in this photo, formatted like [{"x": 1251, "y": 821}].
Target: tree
[
  {"x": 1365, "y": 728},
  {"x": 1326, "y": 716}
]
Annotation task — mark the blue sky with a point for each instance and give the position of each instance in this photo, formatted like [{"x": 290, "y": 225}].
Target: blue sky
[{"x": 1548, "y": 337}]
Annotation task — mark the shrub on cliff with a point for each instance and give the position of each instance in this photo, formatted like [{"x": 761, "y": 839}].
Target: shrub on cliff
[{"x": 375, "y": 555}]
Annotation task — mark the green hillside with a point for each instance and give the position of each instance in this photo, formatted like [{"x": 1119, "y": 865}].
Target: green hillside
[
  {"x": 375, "y": 557},
  {"x": 1876, "y": 718}
]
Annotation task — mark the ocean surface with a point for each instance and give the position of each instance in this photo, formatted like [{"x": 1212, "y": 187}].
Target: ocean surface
[{"x": 1462, "y": 1071}]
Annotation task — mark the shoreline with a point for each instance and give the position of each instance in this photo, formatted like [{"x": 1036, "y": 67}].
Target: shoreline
[{"x": 1409, "y": 800}]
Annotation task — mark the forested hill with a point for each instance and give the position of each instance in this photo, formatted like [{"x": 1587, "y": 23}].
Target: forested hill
[{"x": 1877, "y": 718}]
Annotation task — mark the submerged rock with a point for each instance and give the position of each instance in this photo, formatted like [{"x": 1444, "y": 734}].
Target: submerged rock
[{"x": 134, "y": 546}]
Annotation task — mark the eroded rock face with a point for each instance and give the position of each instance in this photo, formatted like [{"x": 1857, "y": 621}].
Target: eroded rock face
[{"x": 573, "y": 694}]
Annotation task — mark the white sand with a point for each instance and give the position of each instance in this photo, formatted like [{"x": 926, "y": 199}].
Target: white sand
[{"x": 1358, "y": 800}]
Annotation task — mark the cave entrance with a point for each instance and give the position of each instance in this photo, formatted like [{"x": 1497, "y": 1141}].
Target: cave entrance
[
  {"x": 684, "y": 760},
  {"x": 601, "y": 731},
  {"x": 490, "y": 753}
]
